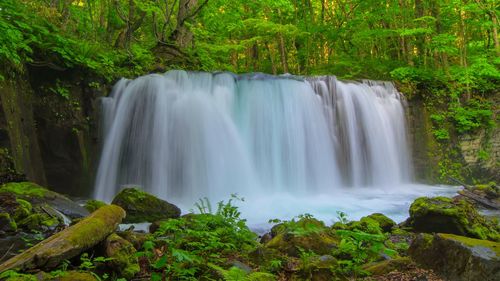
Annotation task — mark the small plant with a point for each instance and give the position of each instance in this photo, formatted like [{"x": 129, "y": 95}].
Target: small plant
[
  {"x": 183, "y": 249},
  {"x": 357, "y": 248}
]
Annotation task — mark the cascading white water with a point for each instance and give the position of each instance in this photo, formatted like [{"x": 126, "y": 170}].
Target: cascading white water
[{"x": 188, "y": 135}]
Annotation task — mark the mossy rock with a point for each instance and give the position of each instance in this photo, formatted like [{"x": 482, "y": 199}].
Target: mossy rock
[
  {"x": 305, "y": 235},
  {"x": 37, "y": 195},
  {"x": 385, "y": 223},
  {"x": 144, "y": 207},
  {"x": 441, "y": 214},
  {"x": 365, "y": 224},
  {"x": 92, "y": 205},
  {"x": 38, "y": 222},
  {"x": 75, "y": 276},
  {"x": 7, "y": 224},
  {"x": 318, "y": 268},
  {"x": 458, "y": 257},
  {"x": 124, "y": 262},
  {"x": 24, "y": 209},
  {"x": 136, "y": 238},
  {"x": 384, "y": 267},
  {"x": 15, "y": 207}
]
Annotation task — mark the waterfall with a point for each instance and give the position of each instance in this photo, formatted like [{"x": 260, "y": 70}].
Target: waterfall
[{"x": 187, "y": 135}]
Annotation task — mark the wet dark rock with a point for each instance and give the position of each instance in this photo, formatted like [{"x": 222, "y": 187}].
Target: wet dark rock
[{"x": 458, "y": 257}]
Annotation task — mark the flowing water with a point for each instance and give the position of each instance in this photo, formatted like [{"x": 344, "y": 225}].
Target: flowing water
[{"x": 288, "y": 144}]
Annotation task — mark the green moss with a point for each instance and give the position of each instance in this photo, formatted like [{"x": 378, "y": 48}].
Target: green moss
[
  {"x": 23, "y": 210},
  {"x": 94, "y": 227},
  {"x": 7, "y": 223},
  {"x": 38, "y": 221},
  {"x": 441, "y": 214},
  {"x": 122, "y": 252},
  {"x": 144, "y": 207},
  {"x": 93, "y": 205},
  {"x": 384, "y": 267},
  {"x": 471, "y": 242},
  {"x": 24, "y": 189},
  {"x": 366, "y": 224},
  {"x": 399, "y": 231},
  {"x": 292, "y": 244},
  {"x": 76, "y": 276},
  {"x": 384, "y": 222}
]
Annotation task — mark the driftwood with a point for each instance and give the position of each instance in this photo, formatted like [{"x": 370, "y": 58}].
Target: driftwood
[
  {"x": 479, "y": 199},
  {"x": 69, "y": 242}
]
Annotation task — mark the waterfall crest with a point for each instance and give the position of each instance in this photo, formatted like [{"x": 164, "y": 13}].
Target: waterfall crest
[{"x": 186, "y": 135}]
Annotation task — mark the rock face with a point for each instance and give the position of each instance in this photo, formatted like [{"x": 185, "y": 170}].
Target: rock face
[
  {"x": 441, "y": 214},
  {"x": 144, "y": 207},
  {"x": 69, "y": 242},
  {"x": 458, "y": 257}
]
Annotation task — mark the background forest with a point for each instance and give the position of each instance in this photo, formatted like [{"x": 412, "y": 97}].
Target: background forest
[{"x": 444, "y": 53}]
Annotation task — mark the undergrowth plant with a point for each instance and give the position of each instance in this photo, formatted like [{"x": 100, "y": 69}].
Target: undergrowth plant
[{"x": 195, "y": 246}]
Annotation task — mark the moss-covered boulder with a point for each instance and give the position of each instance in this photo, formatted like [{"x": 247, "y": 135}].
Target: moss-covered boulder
[
  {"x": 144, "y": 207},
  {"x": 458, "y": 257},
  {"x": 374, "y": 224},
  {"x": 74, "y": 276},
  {"x": 384, "y": 267},
  {"x": 16, "y": 208},
  {"x": 136, "y": 238},
  {"x": 38, "y": 222},
  {"x": 38, "y": 195},
  {"x": 7, "y": 224},
  {"x": 316, "y": 268},
  {"x": 92, "y": 205},
  {"x": 124, "y": 262},
  {"x": 441, "y": 214},
  {"x": 385, "y": 223},
  {"x": 307, "y": 234}
]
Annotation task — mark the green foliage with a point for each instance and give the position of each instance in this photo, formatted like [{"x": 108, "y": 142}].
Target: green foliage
[
  {"x": 88, "y": 263},
  {"x": 357, "y": 248},
  {"x": 473, "y": 115},
  {"x": 237, "y": 274},
  {"x": 12, "y": 275},
  {"x": 183, "y": 248}
]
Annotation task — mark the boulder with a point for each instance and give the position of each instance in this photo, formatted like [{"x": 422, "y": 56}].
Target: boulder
[
  {"x": 306, "y": 234},
  {"x": 144, "y": 207},
  {"x": 37, "y": 195},
  {"x": 70, "y": 242},
  {"x": 16, "y": 208},
  {"x": 384, "y": 267},
  {"x": 124, "y": 262},
  {"x": 458, "y": 257},
  {"x": 74, "y": 276},
  {"x": 7, "y": 224},
  {"x": 317, "y": 268},
  {"x": 385, "y": 223},
  {"x": 445, "y": 215},
  {"x": 92, "y": 205},
  {"x": 136, "y": 238}
]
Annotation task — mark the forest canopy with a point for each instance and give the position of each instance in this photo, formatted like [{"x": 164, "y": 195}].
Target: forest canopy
[{"x": 400, "y": 39}]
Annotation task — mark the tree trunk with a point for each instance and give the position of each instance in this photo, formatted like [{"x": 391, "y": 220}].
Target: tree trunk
[
  {"x": 495, "y": 32},
  {"x": 283, "y": 53}
]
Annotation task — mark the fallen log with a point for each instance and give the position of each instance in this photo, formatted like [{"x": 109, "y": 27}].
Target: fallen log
[
  {"x": 481, "y": 200},
  {"x": 70, "y": 242}
]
